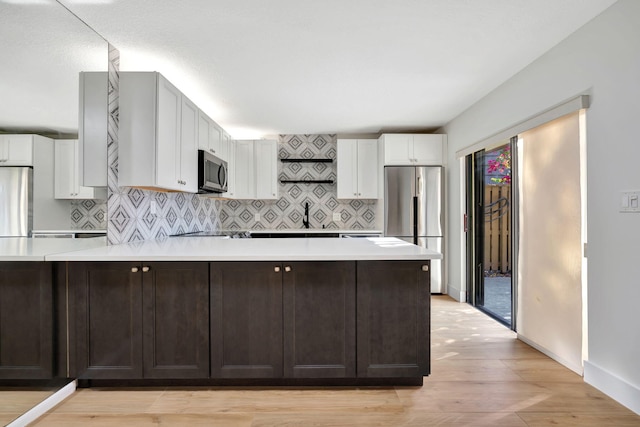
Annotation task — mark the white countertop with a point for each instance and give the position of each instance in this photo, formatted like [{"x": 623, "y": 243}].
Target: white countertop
[
  {"x": 69, "y": 231},
  {"x": 28, "y": 249},
  {"x": 312, "y": 230},
  {"x": 273, "y": 249}
]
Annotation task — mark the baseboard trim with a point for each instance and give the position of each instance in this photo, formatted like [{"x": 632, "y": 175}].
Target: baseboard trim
[
  {"x": 456, "y": 294},
  {"x": 45, "y": 406},
  {"x": 575, "y": 368},
  {"x": 613, "y": 386}
]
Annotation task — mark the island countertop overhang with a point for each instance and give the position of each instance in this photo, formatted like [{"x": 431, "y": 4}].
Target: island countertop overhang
[{"x": 272, "y": 249}]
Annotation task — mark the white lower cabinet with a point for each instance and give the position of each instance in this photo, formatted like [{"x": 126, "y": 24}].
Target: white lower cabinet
[
  {"x": 158, "y": 135},
  {"x": 68, "y": 173},
  {"x": 357, "y": 169},
  {"x": 253, "y": 169}
]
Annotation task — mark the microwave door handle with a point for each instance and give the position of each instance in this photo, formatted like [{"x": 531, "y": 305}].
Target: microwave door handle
[{"x": 221, "y": 171}]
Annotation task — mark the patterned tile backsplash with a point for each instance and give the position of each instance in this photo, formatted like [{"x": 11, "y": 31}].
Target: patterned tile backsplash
[
  {"x": 88, "y": 214},
  {"x": 130, "y": 214},
  {"x": 287, "y": 211},
  {"x": 129, "y": 210}
]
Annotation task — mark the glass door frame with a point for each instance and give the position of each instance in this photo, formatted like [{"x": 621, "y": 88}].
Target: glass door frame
[{"x": 474, "y": 227}]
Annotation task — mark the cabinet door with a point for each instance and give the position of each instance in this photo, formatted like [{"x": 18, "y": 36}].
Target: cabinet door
[
  {"x": 398, "y": 149},
  {"x": 108, "y": 316},
  {"x": 245, "y": 184},
  {"x": 204, "y": 131},
  {"x": 215, "y": 143},
  {"x": 246, "y": 320},
  {"x": 393, "y": 319},
  {"x": 176, "y": 319},
  {"x": 68, "y": 170},
  {"x": 427, "y": 149},
  {"x": 266, "y": 160},
  {"x": 26, "y": 320},
  {"x": 319, "y": 319},
  {"x": 367, "y": 168},
  {"x": 168, "y": 136},
  {"x": 188, "y": 166},
  {"x": 231, "y": 168},
  {"x": 347, "y": 173},
  {"x": 16, "y": 150},
  {"x": 225, "y": 146},
  {"x": 65, "y": 186}
]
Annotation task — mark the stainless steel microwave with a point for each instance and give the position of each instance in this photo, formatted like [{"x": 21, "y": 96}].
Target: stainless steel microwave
[{"x": 212, "y": 173}]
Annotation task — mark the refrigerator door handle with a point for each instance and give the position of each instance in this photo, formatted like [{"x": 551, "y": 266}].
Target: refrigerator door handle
[
  {"x": 415, "y": 220},
  {"x": 419, "y": 185}
]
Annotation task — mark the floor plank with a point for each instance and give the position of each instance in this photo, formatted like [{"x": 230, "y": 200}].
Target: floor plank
[{"x": 481, "y": 376}]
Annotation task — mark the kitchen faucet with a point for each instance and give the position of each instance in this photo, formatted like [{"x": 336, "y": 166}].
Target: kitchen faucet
[{"x": 305, "y": 219}]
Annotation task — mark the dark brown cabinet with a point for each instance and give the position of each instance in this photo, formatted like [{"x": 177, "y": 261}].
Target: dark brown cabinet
[
  {"x": 393, "y": 319},
  {"x": 291, "y": 320},
  {"x": 175, "y": 320},
  {"x": 319, "y": 319},
  {"x": 246, "y": 320},
  {"x": 108, "y": 319},
  {"x": 26, "y": 320},
  {"x": 140, "y": 320},
  {"x": 304, "y": 322}
]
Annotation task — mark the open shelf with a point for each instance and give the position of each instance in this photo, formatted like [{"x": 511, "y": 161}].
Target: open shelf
[
  {"x": 307, "y": 181},
  {"x": 306, "y": 160}
]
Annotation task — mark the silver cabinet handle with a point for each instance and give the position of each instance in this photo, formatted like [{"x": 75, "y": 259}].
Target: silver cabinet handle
[
  {"x": 145, "y": 269},
  {"x": 134, "y": 269},
  {"x": 287, "y": 269},
  {"x": 276, "y": 269},
  {"x": 425, "y": 267}
]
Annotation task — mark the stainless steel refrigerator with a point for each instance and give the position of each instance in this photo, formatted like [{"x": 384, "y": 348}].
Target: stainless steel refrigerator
[
  {"x": 16, "y": 201},
  {"x": 413, "y": 211}
]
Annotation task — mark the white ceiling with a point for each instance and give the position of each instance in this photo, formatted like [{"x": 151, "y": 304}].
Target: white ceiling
[{"x": 265, "y": 67}]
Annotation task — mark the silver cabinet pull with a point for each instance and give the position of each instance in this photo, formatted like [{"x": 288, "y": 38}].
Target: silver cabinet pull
[
  {"x": 276, "y": 269},
  {"x": 425, "y": 267},
  {"x": 145, "y": 269},
  {"x": 134, "y": 269},
  {"x": 287, "y": 269}
]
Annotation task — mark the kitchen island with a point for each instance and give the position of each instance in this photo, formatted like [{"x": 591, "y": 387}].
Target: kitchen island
[{"x": 212, "y": 311}]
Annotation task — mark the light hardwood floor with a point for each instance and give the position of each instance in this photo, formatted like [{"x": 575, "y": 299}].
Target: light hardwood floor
[{"x": 481, "y": 375}]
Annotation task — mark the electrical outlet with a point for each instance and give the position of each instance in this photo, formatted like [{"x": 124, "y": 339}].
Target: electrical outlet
[
  {"x": 152, "y": 207},
  {"x": 256, "y": 217},
  {"x": 337, "y": 216}
]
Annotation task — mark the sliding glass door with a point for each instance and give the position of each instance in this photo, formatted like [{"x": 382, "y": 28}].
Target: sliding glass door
[{"x": 490, "y": 231}]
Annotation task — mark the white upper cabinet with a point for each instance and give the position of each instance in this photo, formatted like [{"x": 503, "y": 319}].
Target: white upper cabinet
[
  {"x": 266, "y": 157},
  {"x": 68, "y": 171},
  {"x": 188, "y": 165},
  {"x": 158, "y": 135},
  {"x": 231, "y": 170},
  {"x": 210, "y": 136},
  {"x": 16, "y": 150},
  {"x": 357, "y": 169},
  {"x": 413, "y": 149},
  {"x": 245, "y": 184},
  {"x": 253, "y": 169}
]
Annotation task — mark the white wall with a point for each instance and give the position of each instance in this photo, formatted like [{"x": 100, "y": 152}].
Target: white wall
[
  {"x": 601, "y": 59},
  {"x": 550, "y": 249}
]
